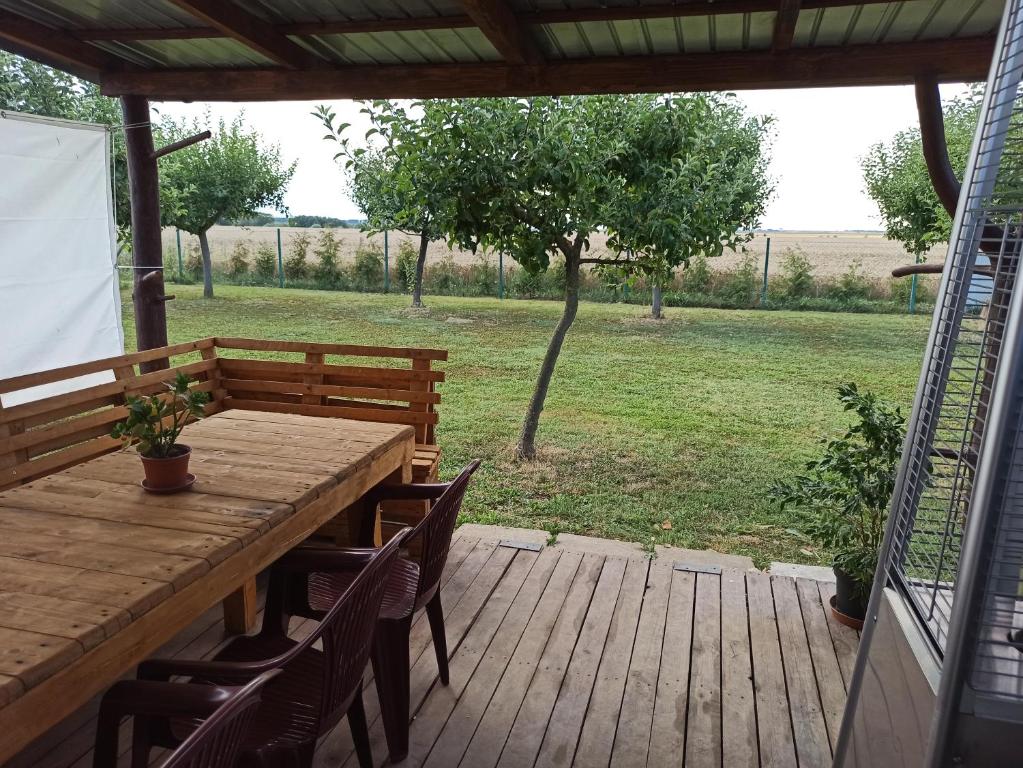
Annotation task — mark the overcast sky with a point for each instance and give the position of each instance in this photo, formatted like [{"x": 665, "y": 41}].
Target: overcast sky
[{"x": 819, "y": 137}]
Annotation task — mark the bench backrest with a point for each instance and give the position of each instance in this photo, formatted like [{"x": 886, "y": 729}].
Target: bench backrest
[{"x": 387, "y": 384}]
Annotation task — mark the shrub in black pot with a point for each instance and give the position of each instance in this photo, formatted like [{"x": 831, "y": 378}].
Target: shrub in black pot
[{"x": 845, "y": 495}]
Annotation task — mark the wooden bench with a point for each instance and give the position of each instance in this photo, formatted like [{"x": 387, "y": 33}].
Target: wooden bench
[{"x": 381, "y": 384}]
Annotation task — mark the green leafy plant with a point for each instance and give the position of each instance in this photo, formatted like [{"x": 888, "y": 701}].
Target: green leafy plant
[
  {"x": 327, "y": 254},
  {"x": 295, "y": 266},
  {"x": 405, "y": 267},
  {"x": 266, "y": 261},
  {"x": 797, "y": 273},
  {"x": 238, "y": 263},
  {"x": 155, "y": 422},
  {"x": 846, "y": 493}
]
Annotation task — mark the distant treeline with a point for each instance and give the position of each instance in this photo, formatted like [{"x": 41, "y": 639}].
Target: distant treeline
[{"x": 268, "y": 220}]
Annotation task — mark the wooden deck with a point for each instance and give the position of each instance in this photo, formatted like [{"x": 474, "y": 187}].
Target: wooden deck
[{"x": 595, "y": 656}]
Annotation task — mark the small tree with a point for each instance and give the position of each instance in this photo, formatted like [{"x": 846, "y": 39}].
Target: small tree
[
  {"x": 665, "y": 177},
  {"x": 228, "y": 176},
  {"x": 896, "y": 178},
  {"x": 406, "y": 180},
  {"x": 295, "y": 266}
]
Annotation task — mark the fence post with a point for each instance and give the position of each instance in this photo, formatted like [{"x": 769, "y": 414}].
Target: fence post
[
  {"x": 181, "y": 264},
  {"x": 767, "y": 260},
  {"x": 500, "y": 274},
  {"x": 387, "y": 268},
  {"x": 280, "y": 260}
]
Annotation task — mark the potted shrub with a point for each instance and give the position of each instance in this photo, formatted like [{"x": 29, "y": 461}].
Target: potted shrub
[
  {"x": 846, "y": 495},
  {"x": 153, "y": 426}
]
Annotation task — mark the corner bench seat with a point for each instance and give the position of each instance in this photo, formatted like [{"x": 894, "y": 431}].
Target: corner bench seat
[{"x": 367, "y": 383}]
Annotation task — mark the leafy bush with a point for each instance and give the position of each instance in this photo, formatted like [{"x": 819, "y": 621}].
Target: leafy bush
[
  {"x": 696, "y": 277},
  {"x": 368, "y": 269},
  {"x": 327, "y": 249},
  {"x": 295, "y": 265},
  {"x": 526, "y": 284},
  {"x": 740, "y": 285},
  {"x": 405, "y": 266},
  {"x": 852, "y": 284},
  {"x": 444, "y": 277},
  {"x": 846, "y": 493},
  {"x": 238, "y": 263},
  {"x": 193, "y": 263},
  {"x": 482, "y": 276},
  {"x": 797, "y": 273},
  {"x": 266, "y": 261}
]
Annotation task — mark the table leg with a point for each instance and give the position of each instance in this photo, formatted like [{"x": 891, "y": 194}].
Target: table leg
[
  {"x": 240, "y": 609},
  {"x": 364, "y": 523}
]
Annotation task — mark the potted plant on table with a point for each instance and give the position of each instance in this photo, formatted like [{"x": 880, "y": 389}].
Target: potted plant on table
[
  {"x": 153, "y": 426},
  {"x": 846, "y": 495}
]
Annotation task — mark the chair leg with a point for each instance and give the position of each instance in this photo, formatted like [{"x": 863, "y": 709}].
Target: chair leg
[
  {"x": 435, "y": 614},
  {"x": 360, "y": 731},
  {"x": 391, "y": 672}
]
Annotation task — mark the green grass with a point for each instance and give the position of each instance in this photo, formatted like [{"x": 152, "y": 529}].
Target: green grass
[{"x": 688, "y": 420}]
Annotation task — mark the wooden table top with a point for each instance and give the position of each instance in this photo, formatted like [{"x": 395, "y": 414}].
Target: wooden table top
[{"x": 95, "y": 573}]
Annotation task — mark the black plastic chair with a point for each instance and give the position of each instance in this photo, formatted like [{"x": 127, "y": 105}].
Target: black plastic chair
[
  {"x": 315, "y": 689},
  {"x": 312, "y": 576},
  {"x": 226, "y": 714}
]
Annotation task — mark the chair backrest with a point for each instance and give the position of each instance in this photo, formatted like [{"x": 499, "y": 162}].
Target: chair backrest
[
  {"x": 435, "y": 529},
  {"x": 216, "y": 742},
  {"x": 346, "y": 632}
]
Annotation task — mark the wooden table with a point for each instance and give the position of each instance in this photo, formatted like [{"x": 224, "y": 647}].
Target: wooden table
[{"x": 96, "y": 574}]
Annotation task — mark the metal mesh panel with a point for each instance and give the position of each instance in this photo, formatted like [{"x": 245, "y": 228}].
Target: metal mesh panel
[{"x": 935, "y": 491}]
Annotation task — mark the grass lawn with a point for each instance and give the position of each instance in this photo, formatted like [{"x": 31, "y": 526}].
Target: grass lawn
[{"x": 672, "y": 429}]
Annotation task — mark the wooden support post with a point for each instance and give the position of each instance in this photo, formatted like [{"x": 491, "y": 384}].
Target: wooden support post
[
  {"x": 147, "y": 250},
  {"x": 932, "y": 137}
]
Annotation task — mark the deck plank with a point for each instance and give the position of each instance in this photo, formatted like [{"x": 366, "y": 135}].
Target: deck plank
[
  {"x": 844, "y": 639},
  {"x": 703, "y": 725},
  {"x": 489, "y": 739},
  {"x": 825, "y": 663},
  {"x": 632, "y": 740},
  {"x": 566, "y": 657},
  {"x": 739, "y": 747},
  {"x": 808, "y": 725},
  {"x": 668, "y": 731},
  {"x": 598, "y": 734},
  {"x": 774, "y": 726},
  {"x": 558, "y": 747},
  {"x": 463, "y": 720}
]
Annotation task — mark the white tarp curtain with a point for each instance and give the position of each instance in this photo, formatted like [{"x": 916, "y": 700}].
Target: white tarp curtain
[{"x": 59, "y": 299}]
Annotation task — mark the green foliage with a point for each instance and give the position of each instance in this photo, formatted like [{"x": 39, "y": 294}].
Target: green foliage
[
  {"x": 266, "y": 261},
  {"x": 742, "y": 284},
  {"x": 405, "y": 266},
  {"x": 852, "y": 284},
  {"x": 238, "y": 263},
  {"x": 326, "y": 271},
  {"x": 846, "y": 493},
  {"x": 696, "y": 277},
  {"x": 295, "y": 265},
  {"x": 193, "y": 263},
  {"x": 896, "y": 178},
  {"x": 797, "y": 273},
  {"x": 27, "y": 86},
  {"x": 444, "y": 277},
  {"x": 368, "y": 269},
  {"x": 318, "y": 221},
  {"x": 155, "y": 422},
  {"x": 257, "y": 219},
  {"x": 228, "y": 176}
]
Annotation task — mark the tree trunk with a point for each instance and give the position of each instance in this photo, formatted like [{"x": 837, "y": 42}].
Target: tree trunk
[
  {"x": 655, "y": 309},
  {"x": 526, "y": 448},
  {"x": 207, "y": 266},
  {"x": 417, "y": 288}
]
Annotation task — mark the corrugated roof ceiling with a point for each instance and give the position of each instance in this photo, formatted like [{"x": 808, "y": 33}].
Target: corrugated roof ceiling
[{"x": 156, "y": 35}]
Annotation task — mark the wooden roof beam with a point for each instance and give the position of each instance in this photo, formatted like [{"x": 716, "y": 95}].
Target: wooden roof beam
[
  {"x": 512, "y": 39},
  {"x": 785, "y": 25},
  {"x": 250, "y": 30},
  {"x": 963, "y": 59},
  {"x": 463, "y": 21},
  {"x": 54, "y": 47}
]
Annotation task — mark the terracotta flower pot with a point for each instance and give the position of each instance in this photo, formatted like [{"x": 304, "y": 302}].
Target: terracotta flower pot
[{"x": 167, "y": 474}]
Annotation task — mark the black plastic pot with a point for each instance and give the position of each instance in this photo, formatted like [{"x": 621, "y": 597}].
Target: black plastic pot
[{"x": 850, "y": 596}]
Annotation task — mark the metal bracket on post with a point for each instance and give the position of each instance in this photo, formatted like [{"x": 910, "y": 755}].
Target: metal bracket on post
[{"x": 714, "y": 570}]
